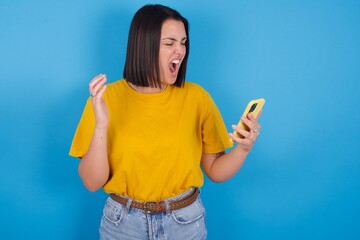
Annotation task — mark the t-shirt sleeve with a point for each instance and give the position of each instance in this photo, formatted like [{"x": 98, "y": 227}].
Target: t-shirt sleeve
[
  {"x": 84, "y": 132},
  {"x": 214, "y": 133}
]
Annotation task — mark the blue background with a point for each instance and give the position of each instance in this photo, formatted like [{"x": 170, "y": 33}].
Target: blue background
[{"x": 302, "y": 179}]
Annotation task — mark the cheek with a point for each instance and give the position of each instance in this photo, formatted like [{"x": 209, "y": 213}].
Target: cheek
[
  {"x": 164, "y": 56},
  {"x": 163, "y": 64},
  {"x": 184, "y": 48}
]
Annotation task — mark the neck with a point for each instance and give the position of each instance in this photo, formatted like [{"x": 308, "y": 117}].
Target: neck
[{"x": 141, "y": 89}]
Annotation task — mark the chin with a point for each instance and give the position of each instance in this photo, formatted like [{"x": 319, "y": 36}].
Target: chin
[{"x": 171, "y": 80}]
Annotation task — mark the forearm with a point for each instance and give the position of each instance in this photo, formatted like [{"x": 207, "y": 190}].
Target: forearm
[
  {"x": 227, "y": 165},
  {"x": 221, "y": 167},
  {"x": 94, "y": 166}
]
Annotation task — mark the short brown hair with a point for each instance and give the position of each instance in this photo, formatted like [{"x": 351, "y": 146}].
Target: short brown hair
[{"x": 142, "y": 57}]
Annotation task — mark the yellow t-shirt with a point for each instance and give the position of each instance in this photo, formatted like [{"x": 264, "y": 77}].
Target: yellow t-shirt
[{"x": 155, "y": 141}]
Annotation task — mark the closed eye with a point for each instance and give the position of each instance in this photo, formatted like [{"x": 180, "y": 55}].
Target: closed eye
[
  {"x": 183, "y": 41},
  {"x": 171, "y": 41}
]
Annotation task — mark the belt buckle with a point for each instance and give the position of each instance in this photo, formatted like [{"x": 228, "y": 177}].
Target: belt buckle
[{"x": 147, "y": 206}]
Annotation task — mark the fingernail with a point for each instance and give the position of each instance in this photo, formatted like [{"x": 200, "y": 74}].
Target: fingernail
[
  {"x": 250, "y": 115},
  {"x": 233, "y": 126}
]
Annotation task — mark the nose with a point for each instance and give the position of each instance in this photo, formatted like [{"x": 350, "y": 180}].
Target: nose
[{"x": 180, "y": 48}]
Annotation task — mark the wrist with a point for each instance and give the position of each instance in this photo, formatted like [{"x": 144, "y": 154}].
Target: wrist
[
  {"x": 243, "y": 148},
  {"x": 101, "y": 127}
]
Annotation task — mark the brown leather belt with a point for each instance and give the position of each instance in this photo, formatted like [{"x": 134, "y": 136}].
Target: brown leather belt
[{"x": 158, "y": 207}]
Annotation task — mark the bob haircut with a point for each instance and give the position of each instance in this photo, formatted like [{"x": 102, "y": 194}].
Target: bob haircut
[{"x": 142, "y": 56}]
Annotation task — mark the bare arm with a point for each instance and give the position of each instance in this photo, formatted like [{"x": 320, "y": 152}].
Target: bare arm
[
  {"x": 94, "y": 166},
  {"x": 220, "y": 167}
]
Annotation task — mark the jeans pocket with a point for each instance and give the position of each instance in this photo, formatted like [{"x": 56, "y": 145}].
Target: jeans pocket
[
  {"x": 113, "y": 212},
  {"x": 189, "y": 214}
]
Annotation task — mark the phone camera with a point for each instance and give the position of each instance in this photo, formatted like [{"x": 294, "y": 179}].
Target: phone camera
[{"x": 253, "y": 107}]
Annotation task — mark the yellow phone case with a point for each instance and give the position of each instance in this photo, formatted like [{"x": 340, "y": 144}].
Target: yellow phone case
[{"x": 254, "y": 106}]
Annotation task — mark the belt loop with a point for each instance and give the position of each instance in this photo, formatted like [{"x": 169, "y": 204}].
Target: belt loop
[
  {"x": 167, "y": 207},
  {"x": 128, "y": 205}
]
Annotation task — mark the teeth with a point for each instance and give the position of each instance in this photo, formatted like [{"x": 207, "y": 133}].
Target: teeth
[{"x": 176, "y": 61}]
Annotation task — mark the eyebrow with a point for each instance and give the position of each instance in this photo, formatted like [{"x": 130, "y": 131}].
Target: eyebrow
[{"x": 174, "y": 39}]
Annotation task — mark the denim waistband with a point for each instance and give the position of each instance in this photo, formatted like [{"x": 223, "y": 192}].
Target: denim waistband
[
  {"x": 177, "y": 197},
  {"x": 182, "y": 195},
  {"x": 127, "y": 202}
]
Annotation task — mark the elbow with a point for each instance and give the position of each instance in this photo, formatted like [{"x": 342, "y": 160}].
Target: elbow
[
  {"x": 219, "y": 176},
  {"x": 91, "y": 186},
  {"x": 92, "y": 182},
  {"x": 217, "y": 179}
]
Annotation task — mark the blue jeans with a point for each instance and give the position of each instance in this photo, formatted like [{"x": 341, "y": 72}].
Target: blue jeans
[{"x": 123, "y": 222}]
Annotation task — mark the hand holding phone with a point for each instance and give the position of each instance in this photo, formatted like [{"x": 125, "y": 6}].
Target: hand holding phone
[{"x": 254, "y": 107}]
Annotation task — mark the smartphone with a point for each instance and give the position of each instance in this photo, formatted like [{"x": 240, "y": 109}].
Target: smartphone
[{"x": 253, "y": 107}]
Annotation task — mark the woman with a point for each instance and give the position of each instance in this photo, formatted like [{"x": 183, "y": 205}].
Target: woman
[{"x": 143, "y": 138}]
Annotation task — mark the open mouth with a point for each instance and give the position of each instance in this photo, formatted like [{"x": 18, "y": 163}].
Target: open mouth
[{"x": 174, "y": 66}]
